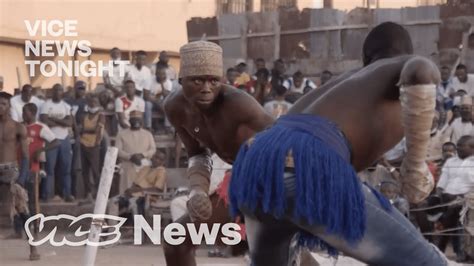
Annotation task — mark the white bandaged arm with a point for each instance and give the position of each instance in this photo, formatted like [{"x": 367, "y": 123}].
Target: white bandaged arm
[{"x": 418, "y": 104}]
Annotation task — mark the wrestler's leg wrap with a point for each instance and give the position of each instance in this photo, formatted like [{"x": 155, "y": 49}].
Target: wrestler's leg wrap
[{"x": 418, "y": 104}]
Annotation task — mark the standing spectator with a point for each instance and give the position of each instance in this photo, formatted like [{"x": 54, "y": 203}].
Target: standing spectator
[
  {"x": 139, "y": 73},
  {"x": 231, "y": 76},
  {"x": 17, "y": 102},
  {"x": 279, "y": 106},
  {"x": 463, "y": 81},
  {"x": 78, "y": 103},
  {"x": 136, "y": 147},
  {"x": 243, "y": 77},
  {"x": 91, "y": 131},
  {"x": 278, "y": 73},
  {"x": 114, "y": 81},
  {"x": 297, "y": 86},
  {"x": 325, "y": 76},
  {"x": 56, "y": 114},
  {"x": 160, "y": 87},
  {"x": 40, "y": 137},
  {"x": 128, "y": 103},
  {"x": 163, "y": 62},
  {"x": 457, "y": 179},
  {"x": 462, "y": 126}
]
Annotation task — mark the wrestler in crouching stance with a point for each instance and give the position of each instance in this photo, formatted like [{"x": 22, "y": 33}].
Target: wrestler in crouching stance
[{"x": 299, "y": 176}]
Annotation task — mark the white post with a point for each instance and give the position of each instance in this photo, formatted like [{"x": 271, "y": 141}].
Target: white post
[{"x": 101, "y": 203}]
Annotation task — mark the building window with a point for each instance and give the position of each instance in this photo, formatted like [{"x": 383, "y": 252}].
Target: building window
[
  {"x": 271, "y": 5},
  {"x": 234, "y": 6}
]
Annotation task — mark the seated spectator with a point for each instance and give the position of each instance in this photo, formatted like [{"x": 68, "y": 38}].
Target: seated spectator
[
  {"x": 395, "y": 155},
  {"x": 463, "y": 81},
  {"x": 136, "y": 147},
  {"x": 438, "y": 136},
  {"x": 325, "y": 76},
  {"x": 261, "y": 86},
  {"x": 279, "y": 106},
  {"x": 114, "y": 81},
  {"x": 91, "y": 130},
  {"x": 243, "y": 78},
  {"x": 128, "y": 103},
  {"x": 149, "y": 178},
  {"x": 391, "y": 190},
  {"x": 163, "y": 62},
  {"x": 160, "y": 87},
  {"x": 463, "y": 125},
  {"x": 278, "y": 74},
  {"x": 457, "y": 179},
  {"x": 17, "y": 102},
  {"x": 375, "y": 174},
  {"x": 444, "y": 88},
  {"x": 56, "y": 114},
  {"x": 259, "y": 63},
  {"x": 298, "y": 83},
  {"x": 140, "y": 73},
  {"x": 231, "y": 76},
  {"x": 457, "y": 176}
]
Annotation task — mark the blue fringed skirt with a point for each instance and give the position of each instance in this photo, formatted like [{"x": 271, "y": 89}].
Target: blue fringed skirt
[{"x": 328, "y": 191}]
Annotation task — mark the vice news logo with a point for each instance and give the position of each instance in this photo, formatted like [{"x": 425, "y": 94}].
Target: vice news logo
[{"x": 173, "y": 233}]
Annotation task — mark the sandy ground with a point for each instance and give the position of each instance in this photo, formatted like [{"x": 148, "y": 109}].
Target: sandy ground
[{"x": 16, "y": 252}]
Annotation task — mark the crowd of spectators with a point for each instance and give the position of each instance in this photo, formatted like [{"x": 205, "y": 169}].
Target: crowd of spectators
[{"x": 70, "y": 129}]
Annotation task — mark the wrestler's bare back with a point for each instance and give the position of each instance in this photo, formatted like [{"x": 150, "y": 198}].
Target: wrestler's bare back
[
  {"x": 367, "y": 108},
  {"x": 235, "y": 117}
]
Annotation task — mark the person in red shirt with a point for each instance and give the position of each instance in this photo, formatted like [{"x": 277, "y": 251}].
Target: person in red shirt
[{"x": 39, "y": 137}]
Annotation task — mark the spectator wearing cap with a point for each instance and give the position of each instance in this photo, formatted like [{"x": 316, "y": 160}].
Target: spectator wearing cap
[
  {"x": 91, "y": 130},
  {"x": 17, "y": 102},
  {"x": 463, "y": 125},
  {"x": 136, "y": 147},
  {"x": 140, "y": 73}
]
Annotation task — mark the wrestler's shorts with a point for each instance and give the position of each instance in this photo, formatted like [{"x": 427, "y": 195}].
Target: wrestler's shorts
[
  {"x": 8, "y": 173},
  {"x": 328, "y": 191}
]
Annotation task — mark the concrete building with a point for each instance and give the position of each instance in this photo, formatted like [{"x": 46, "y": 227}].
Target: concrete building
[{"x": 150, "y": 25}]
